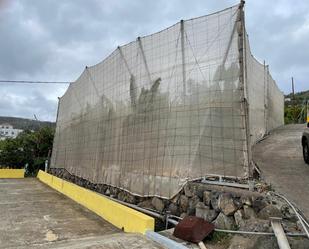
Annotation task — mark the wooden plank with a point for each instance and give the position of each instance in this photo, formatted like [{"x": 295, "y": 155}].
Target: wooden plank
[{"x": 279, "y": 233}]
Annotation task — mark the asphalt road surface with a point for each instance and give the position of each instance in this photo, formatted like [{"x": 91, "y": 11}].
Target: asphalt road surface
[{"x": 280, "y": 159}]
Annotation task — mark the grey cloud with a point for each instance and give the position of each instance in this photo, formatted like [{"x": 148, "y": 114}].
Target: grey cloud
[
  {"x": 54, "y": 40},
  {"x": 275, "y": 35},
  {"x": 35, "y": 103}
]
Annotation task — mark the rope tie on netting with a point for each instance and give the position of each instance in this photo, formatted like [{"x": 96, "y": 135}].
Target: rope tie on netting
[{"x": 139, "y": 41}]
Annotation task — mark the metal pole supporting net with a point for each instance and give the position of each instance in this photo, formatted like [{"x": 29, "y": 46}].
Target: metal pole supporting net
[{"x": 167, "y": 108}]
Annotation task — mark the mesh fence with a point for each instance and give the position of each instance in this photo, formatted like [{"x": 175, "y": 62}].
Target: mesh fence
[
  {"x": 266, "y": 101},
  {"x": 275, "y": 104},
  {"x": 165, "y": 109}
]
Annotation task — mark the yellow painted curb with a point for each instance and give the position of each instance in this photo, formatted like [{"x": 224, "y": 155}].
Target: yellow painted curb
[
  {"x": 12, "y": 173},
  {"x": 119, "y": 215}
]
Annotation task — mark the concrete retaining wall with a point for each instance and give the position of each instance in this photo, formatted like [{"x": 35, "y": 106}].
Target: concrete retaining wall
[{"x": 12, "y": 173}]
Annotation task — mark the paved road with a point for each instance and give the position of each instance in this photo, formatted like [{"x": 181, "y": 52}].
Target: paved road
[
  {"x": 32, "y": 215},
  {"x": 279, "y": 157}
]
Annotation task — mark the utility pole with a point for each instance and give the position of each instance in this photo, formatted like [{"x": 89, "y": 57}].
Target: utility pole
[
  {"x": 293, "y": 93},
  {"x": 307, "y": 112},
  {"x": 294, "y": 102}
]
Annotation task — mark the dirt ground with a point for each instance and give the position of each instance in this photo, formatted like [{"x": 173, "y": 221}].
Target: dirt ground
[{"x": 280, "y": 159}]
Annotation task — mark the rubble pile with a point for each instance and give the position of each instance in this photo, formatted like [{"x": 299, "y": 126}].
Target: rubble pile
[{"x": 228, "y": 208}]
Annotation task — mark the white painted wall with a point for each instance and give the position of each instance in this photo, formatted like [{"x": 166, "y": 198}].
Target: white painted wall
[{"x": 7, "y": 131}]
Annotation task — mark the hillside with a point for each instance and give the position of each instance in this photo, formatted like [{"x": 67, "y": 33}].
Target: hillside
[
  {"x": 299, "y": 97},
  {"x": 295, "y": 109},
  {"x": 25, "y": 124}
]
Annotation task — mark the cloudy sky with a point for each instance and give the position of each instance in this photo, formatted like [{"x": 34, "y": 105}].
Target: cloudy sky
[{"x": 54, "y": 40}]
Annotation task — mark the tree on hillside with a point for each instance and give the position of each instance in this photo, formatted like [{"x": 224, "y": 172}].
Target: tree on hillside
[{"x": 29, "y": 147}]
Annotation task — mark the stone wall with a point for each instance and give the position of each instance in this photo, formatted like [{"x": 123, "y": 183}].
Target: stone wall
[{"x": 228, "y": 208}]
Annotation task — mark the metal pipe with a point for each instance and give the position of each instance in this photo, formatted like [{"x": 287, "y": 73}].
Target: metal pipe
[
  {"x": 164, "y": 241},
  {"x": 174, "y": 222},
  {"x": 304, "y": 221},
  {"x": 145, "y": 211},
  {"x": 258, "y": 233},
  {"x": 228, "y": 184},
  {"x": 297, "y": 214}
]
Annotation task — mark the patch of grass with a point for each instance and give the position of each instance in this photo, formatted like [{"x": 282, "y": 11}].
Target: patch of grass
[{"x": 219, "y": 237}]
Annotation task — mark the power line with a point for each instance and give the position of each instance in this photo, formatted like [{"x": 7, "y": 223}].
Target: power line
[{"x": 34, "y": 82}]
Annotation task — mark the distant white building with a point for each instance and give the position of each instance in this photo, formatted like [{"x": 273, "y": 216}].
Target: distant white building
[{"x": 7, "y": 131}]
